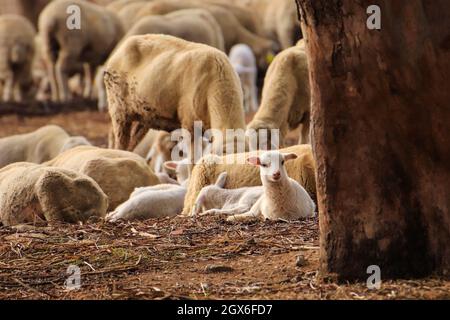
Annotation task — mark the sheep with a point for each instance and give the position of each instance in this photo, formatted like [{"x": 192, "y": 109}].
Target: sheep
[
  {"x": 244, "y": 15},
  {"x": 164, "y": 200},
  {"x": 68, "y": 51},
  {"x": 196, "y": 25},
  {"x": 33, "y": 193},
  {"x": 244, "y": 63},
  {"x": 280, "y": 197},
  {"x": 278, "y": 18},
  {"x": 188, "y": 94},
  {"x": 206, "y": 171},
  {"x": 129, "y": 13},
  {"x": 118, "y": 5},
  {"x": 285, "y": 102},
  {"x": 117, "y": 172},
  {"x": 17, "y": 48},
  {"x": 38, "y": 146},
  {"x": 232, "y": 29}
]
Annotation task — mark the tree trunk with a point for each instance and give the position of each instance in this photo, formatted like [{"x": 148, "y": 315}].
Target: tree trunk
[{"x": 381, "y": 135}]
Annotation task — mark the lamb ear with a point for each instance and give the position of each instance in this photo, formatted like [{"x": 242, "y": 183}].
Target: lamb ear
[
  {"x": 289, "y": 156},
  {"x": 171, "y": 165},
  {"x": 254, "y": 160}
]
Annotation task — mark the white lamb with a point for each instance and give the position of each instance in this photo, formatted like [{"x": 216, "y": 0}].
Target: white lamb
[
  {"x": 244, "y": 63},
  {"x": 280, "y": 197},
  {"x": 164, "y": 200}
]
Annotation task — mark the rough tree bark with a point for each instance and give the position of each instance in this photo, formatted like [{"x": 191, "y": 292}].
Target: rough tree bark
[{"x": 381, "y": 135}]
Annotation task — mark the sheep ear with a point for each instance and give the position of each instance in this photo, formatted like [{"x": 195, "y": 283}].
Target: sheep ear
[
  {"x": 170, "y": 165},
  {"x": 254, "y": 161},
  {"x": 289, "y": 156}
]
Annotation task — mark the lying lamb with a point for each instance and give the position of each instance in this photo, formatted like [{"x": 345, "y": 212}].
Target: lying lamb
[
  {"x": 244, "y": 63},
  {"x": 280, "y": 197},
  {"x": 31, "y": 193},
  {"x": 38, "y": 146},
  {"x": 241, "y": 174},
  {"x": 164, "y": 200}
]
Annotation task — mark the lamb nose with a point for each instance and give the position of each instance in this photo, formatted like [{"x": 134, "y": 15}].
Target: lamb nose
[{"x": 277, "y": 174}]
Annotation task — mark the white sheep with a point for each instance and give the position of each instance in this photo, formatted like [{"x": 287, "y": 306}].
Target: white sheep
[
  {"x": 244, "y": 63},
  {"x": 138, "y": 100},
  {"x": 286, "y": 97},
  {"x": 208, "y": 169},
  {"x": 68, "y": 51},
  {"x": 164, "y": 200},
  {"x": 38, "y": 146},
  {"x": 280, "y": 197},
  {"x": 17, "y": 50}
]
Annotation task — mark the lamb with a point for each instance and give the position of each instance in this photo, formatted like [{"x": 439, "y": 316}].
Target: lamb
[
  {"x": 244, "y": 63},
  {"x": 164, "y": 200},
  {"x": 286, "y": 96},
  {"x": 232, "y": 29},
  {"x": 68, "y": 52},
  {"x": 117, "y": 172},
  {"x": 207, "y": 170},
  {"x": 33, "y": 193},
  {"x": 17, "y": 50},
  {"x": 38, "y": 146},
  {"x": 136, "y": 94},
  {"x": 280, "y": 197}
]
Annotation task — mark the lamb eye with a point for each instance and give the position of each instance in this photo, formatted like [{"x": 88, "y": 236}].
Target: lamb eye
[
  {"x": 264, "y": 165},
  {"x": 282, "y": 162}
]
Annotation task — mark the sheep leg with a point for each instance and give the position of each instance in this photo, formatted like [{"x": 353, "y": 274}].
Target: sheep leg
[
  {"x": 122, "y": 133},
  {"x": 305, "y": 131},
  {"x": 137, "y": 134},
  {"x": 87, "y": 91},
  {"x": 254, "y": 213},
  {"x": 62, "y": 78},
  {"x": 246, "y": 92},
  {"x": 9, "y": 87},
  {"x": 53, "y": 82},
  {"x": 254, "y": 94},
  {"x": 232, "y": 211},
  {"x": 18, "y": 96}
]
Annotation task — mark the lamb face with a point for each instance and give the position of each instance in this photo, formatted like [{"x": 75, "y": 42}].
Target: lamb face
[{"x": 271, "y": 165}]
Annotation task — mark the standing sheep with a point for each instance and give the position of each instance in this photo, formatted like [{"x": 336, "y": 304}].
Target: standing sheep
[
  {"x": 233, "y": 31},
  {"x": 70, "y": 51},
  {"x": 280, "y": 197},
  {"x": 244, "y": 63},
  {"x": 286, "y": 98},
  {"x": 31, "y": 193},
  {"x": 199, "y": 85},
  {"x": 278, "y": 18},
  {"x": 117, "y": 172},
  {"x": 196, "y": 25},
  {"x": 17, "y": 50},
  {"x": 38, "y": 146},
  {"x": 206, "y": 172}
]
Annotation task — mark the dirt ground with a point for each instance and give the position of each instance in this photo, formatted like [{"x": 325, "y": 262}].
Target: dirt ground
[{"x": 177, "y": 258}]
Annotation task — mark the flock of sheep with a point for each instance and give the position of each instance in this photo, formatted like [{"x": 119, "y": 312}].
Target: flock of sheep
[{"x": 157, "y": 66}]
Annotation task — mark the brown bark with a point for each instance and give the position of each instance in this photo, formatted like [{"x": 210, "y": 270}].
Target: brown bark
[{"x": 381, "y": 136}]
